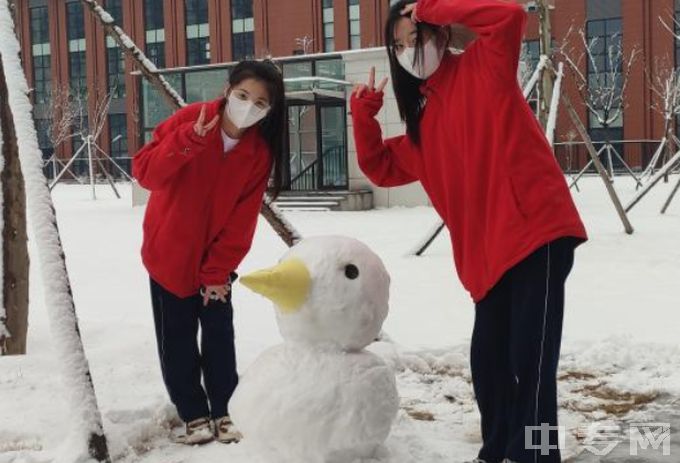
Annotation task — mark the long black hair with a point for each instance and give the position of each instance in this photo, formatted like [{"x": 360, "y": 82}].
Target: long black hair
[
  {"x": 407, "y": 87},
  {"x": 272, "y": 127}
]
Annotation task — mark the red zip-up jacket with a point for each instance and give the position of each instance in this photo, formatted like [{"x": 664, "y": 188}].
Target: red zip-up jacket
[
  {"x": 204, "y": 203},
  {"x": 483, "y": 158}
]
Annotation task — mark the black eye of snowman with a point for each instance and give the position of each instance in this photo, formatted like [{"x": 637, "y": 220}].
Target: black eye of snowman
[{"x": 351, "y": 271}]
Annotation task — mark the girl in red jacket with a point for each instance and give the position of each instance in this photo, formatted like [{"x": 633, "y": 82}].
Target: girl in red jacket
[
  {"x": 207, "y": 167},
  {"x": 481, "y": 156}
]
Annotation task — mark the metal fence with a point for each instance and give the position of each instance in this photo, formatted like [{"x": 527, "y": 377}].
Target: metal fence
[
  {"x": 573, "y": 156},
  {"x": 81, "y": 169}
]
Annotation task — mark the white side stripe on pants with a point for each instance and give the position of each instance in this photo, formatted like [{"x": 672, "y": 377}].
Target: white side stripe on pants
[{"x": 540, "y": 357}]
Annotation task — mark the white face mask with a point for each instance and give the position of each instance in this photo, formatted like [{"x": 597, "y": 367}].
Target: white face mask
[
  {"x": 244, "y": 113},
  {"x": 432, "y": 57}
]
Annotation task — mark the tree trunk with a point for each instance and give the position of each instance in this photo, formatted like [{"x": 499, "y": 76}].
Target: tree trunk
[
  {"x": 545, "y": 47},
  {"x": 670, "y": 150},
  {"x": 14, "y": 239},
  {"x": 83, "y": 410},
  {"x": 598, "y": 165}
]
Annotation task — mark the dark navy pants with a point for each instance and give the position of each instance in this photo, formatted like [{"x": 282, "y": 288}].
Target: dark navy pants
[
  {"x": 182, "y": 363},
  {"x": 514, "y": 354}
]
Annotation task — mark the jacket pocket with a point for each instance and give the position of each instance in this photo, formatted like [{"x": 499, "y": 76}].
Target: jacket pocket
[{"x": 516, "y": 199}]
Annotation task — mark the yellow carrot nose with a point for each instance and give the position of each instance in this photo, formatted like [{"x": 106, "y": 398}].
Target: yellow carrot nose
[{"x": 286, "y": 285}]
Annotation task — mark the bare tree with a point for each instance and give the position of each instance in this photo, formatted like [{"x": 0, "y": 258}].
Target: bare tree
[
  {"x": 665, "y": 86},
  {"x": 304, "y": 43},
  {"x": 545, "y": 47},
  {"x": 603, "y": 87},
  {"x": 71, "y": 117}
]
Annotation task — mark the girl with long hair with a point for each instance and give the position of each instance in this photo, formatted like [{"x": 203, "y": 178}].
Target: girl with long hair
[
  {"x": 208, "y": 167},
  {"x": 481, "y": 156}
]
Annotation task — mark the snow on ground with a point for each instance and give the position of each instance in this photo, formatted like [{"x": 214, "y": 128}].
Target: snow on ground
[{"x": 620, "y": 362}]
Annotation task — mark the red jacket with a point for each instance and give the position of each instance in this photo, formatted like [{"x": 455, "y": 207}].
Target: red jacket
[
  {"x": 204, "y": 204},
  {"x": 483, "y": 158}
]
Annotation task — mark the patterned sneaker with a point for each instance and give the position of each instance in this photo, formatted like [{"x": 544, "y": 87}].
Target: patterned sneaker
[
  {"x": 198, "y": 432},
  {"x": 225, "y": 431}
]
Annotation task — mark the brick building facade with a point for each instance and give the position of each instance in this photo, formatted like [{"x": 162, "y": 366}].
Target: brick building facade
[{"x": 62, "y": 43}]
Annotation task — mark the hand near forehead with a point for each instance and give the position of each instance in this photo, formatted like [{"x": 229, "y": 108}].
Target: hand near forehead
[
  {"x": 410, "y": 10},
  {"x": 359, "y": 89}
]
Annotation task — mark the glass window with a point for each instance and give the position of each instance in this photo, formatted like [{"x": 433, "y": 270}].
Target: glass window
[
  {"x": 118, "y": 135},
  {"x": 333, "y": 69},
  {"x": 354, "y": 15},
  {"x": 297, "y": 69},
  {"x": 80, "y": 166},
  {"x": 533, "y": 52},
  {"x": 205, "y": 85},
  {"x": 196, "y": 11},
  {"x": 115, "y": 9},
  {"x": 599, "y": 9},
  {"x": 40, "y": 45},
  {"x": 333, "y": 153},
  {"x": 115, "y": 59},
  {"x": 154, "y": 107},
  {"x": 328, "y": 26},
  {"x": 198, "y": 32},
  {"x": 241, "y": 9},
  {"x": 75, "y": 21},
  {"x": 76, "y": 47},
  {"x": 242, "y": 29},
  {"x": 604, "y": 41},
  {"x": 155, "y": 32},
  {"x": 302, "y": 139},
  {"x": 119, "y": 143}
]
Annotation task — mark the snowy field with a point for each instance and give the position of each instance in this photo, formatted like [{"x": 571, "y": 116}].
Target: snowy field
[{"x": 620, "y": 362}]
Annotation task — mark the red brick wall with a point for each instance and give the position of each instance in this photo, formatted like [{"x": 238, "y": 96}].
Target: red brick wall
[
  {"x": 288, "y": 21},
  {"x": 279, "y": 23}
]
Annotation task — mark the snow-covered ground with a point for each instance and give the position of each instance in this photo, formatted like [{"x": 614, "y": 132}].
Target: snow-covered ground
[{"x": 620, "y": 362}]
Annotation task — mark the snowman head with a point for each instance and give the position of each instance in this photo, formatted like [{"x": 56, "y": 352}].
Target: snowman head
[{"x": 328, "y": 290}]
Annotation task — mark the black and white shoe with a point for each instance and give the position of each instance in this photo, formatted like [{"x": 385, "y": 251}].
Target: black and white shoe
[
  {"x": 225, "y": 431},
  {"x": 197, "y": 432}
]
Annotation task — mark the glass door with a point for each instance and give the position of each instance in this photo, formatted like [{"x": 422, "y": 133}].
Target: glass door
[
  {"x": 302, "y": 147},
  {"x": 333, "y": 159}
]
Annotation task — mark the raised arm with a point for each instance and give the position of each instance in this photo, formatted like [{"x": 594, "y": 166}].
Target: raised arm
[
  {"x": 175, "y": 142},
  {"x": 499, "y": 25},
  {"x": 383, "y": 162}
]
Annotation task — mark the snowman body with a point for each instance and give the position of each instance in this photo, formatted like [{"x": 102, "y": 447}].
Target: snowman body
[
  {"x": 299, "y": 403},
  {"x": 320, "y": 397}
]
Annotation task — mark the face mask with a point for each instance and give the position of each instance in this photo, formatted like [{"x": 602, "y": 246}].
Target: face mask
[
  {"x": 243, "y": 113},
  {"x": 432, "y": 57}
]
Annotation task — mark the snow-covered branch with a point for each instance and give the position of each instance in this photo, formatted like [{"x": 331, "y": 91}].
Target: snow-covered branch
[
  {"x": 665, "y": 85},
  {"x": 4, "y": 332},
  {"x": 129, "y": 47},
  {"x": 69, "y": 115},
  {"x": 603, "y": 87}
]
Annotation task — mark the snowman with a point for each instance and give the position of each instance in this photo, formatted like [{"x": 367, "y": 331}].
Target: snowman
[{"x": 320, "y": 397}]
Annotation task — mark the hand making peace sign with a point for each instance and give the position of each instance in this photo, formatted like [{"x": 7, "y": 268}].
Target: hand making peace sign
[
  {"x": 200, "y": 127},
  {"x": 359, "y": 89}
]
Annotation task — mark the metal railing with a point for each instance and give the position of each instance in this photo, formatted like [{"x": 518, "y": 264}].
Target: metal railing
[
  {"x": 334, "y": 165},
  {"x": 573, "y": 156},
  {"x": 80, "y": 168}
]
